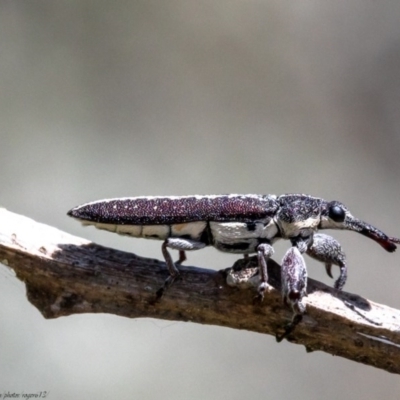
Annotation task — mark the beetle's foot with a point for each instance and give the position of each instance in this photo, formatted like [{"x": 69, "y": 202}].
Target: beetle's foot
[
  {"x": 262, "y": 289},
  {"x": 289, "y": 328},
  {"x": 167, "y": 284}
]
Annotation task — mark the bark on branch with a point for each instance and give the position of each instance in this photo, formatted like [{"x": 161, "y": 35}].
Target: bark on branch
[{"x": 66, "y": 275}]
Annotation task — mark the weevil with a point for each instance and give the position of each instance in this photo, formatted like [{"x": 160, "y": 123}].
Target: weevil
[{"x": 242, "y": 224}]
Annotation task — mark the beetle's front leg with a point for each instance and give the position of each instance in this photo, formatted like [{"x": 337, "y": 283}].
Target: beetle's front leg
[
  {"x": 264, "y": 251},
  {"x": 329, "y": 251},
  {"x": 303, "y": 241},
  {"x": 177, "y": 244}
]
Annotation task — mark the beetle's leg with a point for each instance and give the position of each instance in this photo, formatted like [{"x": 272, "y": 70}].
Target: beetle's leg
[
  {"x": 182, "y": 257},
  {"x": 246, "y": 257},
  {"x": 328, "y": 269},
  {"x": 303, "y": 241},
  {"x": 264, "y": 251},
  {"x": 177, "y": 244},
  {"x": 329, "y": 251},
  {"x": 289, "y": 328},
  {"x": 294, "y": 286}
]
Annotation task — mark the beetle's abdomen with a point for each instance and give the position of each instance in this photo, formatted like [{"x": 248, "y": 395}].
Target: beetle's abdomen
[{"x": 191, "y": 230}]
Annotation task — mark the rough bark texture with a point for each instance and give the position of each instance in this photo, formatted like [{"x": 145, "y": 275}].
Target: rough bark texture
[{"x": 66, "y": 275}]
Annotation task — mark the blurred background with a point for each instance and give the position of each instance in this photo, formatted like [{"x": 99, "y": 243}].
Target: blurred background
[{"x": 110, "y": 99}]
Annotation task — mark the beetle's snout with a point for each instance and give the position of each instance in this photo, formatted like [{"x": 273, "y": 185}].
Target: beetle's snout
[{"x": 354, "y": 224}]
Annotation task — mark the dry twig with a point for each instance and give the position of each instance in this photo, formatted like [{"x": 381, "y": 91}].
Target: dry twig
[{"x": 66, "y": 275}]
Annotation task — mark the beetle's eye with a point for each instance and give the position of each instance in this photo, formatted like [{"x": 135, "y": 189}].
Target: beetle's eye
[{"x": 337, "y": 213}]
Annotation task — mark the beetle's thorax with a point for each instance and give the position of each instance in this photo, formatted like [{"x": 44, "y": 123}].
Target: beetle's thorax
[{"x": 298, "y": 215}]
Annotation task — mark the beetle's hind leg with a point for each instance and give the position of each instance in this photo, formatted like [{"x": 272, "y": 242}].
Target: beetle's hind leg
[
  {"x": 177, "y": 244},
  {"x": 329, "y": 251}
]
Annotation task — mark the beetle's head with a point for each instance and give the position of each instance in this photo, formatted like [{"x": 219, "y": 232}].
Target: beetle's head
[{"x": 335, "y": 215}]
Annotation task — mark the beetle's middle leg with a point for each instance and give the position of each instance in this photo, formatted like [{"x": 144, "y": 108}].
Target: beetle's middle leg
[
  {"x": 177, "y": 244},
  {"x": 264, "y": 251}
]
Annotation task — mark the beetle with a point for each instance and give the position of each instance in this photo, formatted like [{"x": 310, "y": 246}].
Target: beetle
[{"x": 234, "y": 223}]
